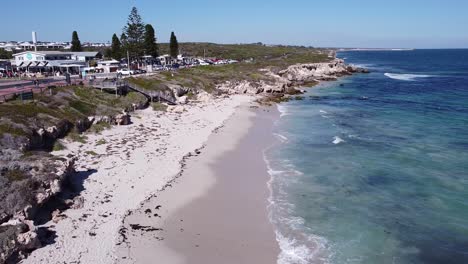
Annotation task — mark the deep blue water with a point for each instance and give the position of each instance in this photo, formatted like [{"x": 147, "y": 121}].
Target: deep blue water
[{"x": 374, "y": 168}]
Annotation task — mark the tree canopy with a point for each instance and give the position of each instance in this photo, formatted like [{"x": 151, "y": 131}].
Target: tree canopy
[
  {"x": 5, "y": 54},
  {"x": 174, "y": 46},
  {"x": 116, "y": 48},
  {"x": 150, "y": 45},
  {"x": 76, "y": 44},
  {"x": 134, "y": 32}
]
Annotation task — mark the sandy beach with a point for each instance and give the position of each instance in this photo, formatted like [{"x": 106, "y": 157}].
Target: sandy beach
[
  {"x": 216, "y": 211},
  {"x": 122, "y": 167}
]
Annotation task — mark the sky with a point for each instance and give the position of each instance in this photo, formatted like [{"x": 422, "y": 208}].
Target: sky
[{"x": 319, "y": 23}]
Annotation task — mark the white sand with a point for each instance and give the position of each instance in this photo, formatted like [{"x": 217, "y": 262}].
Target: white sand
[
  {"x": 216, "y": 212},
  {"x": 135, "y": 162}
]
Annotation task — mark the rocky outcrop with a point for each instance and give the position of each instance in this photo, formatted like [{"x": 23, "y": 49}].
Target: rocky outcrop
[
  {"x": 178, "y": 90},
  {"x": 42, "y": 181},
  {"x": 122, "y": 119},
  {"x": 318, "y": 71},
  {"x": 295, "y": 75}
]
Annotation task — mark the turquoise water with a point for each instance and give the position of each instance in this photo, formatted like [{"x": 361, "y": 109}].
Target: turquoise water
[{"x": 374, "y": 168}]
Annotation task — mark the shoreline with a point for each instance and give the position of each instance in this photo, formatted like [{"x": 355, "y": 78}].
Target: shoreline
[
  {"x": 125, "y": 166},
  {"x": 216, "y": 212},
  {"x": 120, "y": 168}
]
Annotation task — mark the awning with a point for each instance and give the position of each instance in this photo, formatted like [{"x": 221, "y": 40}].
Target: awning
[{"x": 70, "y": 65}]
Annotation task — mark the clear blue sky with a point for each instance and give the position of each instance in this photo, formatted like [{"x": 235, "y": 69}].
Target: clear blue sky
[{"x": 337, "y": 23}]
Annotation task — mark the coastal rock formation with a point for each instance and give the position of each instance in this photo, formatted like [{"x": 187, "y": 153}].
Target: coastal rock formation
[
  {"x": 182, "y": 100},
  {"x": 122, "y": 119},
  {"x": 178, "y": 90},
  {"x": 44, "y": 181},
  {"x": 295, "y": 75}
]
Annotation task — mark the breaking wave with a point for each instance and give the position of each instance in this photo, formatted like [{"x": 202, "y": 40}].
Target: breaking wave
[{"x": 406, "y": 77}]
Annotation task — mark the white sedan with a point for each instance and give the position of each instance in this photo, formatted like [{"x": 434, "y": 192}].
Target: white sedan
[{"x": 125, "y": 72}]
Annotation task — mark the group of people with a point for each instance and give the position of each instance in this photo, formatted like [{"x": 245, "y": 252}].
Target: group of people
[{"x": 9, "y": 74}]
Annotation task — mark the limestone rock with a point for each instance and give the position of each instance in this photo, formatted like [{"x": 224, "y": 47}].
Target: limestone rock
[
  {"x": 182, "y": 100},
  {"x": 178, "y": 109},
  {"x": 78, "y": 202},
  {"x": 122, "y": 119},
  {"x": 29, "y": 240},
  {"x": 57, "y": 216}
]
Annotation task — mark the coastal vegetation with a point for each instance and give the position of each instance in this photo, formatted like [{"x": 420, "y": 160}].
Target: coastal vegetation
[
  {"x": 173, "y": 45},
  {"x": 255, "y": 62},
  {"x": 75, "y": 43},
  {"x": 30, "y": 129}
]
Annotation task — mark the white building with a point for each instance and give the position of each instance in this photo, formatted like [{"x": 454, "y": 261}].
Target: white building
[
  {"x": 165, "y": 59},
  {"x": 86, "y": 56},
  {"x": 108, "y": 66},
  {"x": 47, "y": 61}
]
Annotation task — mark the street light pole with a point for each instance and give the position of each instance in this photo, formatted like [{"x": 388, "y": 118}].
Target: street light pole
[{"x": 128, "y": 60}]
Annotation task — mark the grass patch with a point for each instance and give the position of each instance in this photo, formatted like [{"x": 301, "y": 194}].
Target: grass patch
[
  {"x": 74, "y": 136},
  {"x": 15, "y": 175},
  {"x": 159, "y": 107},
  {"x": 98, "y": 128},
  {"x": 12, "y": 130},
  {"x": 83, "y": 107},
  {"x": 101, "y": 142},
  {"x": 58, "y": 146}
]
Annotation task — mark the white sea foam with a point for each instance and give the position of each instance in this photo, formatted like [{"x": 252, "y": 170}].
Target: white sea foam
[
  {"x": 281, "y": 137},
  {"x": 406, "y": 77},
  {"x": 283, "y": 110},
  {"x": 306, "y": 248},
  {"x": 291, "y": 252},
  {"x": 323, "y": 111},
  {"x": 337, "y": 140}
]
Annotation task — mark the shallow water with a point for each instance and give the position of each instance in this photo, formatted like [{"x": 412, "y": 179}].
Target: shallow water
[{"x": 374, "y": 168}]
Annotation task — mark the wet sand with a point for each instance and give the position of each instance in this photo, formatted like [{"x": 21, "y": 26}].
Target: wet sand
[{"x": 216, "y": 211}]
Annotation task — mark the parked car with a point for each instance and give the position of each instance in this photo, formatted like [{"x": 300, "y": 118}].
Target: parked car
[
  {"x": 126, "y": 72},
  {"x": 158, "y": 67}
]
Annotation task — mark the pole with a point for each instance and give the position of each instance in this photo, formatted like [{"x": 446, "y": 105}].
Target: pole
[{"x": 128, "y": 59}]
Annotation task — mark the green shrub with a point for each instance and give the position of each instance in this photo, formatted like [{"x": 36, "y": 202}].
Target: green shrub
[
  {"x": 101, "y": 142},
  {"x": 159, "y": 107},
  {"x": 74, "y": 136},
  {"x": 98, "y": 128},
  {"x": 58, "y": 146},
  {"x": 15, "y": 175}
]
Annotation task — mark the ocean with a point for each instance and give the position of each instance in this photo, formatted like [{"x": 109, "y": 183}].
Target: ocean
[{"x": 373, "y": 168}]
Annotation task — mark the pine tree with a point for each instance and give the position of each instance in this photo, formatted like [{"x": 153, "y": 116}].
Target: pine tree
[
  {"x": 174, "y": 46},
  {"x": 116, "y": 48},
  {"x": 123, "y": 39},
  {"x": 135, "y": 31},
  {"x": 76, "y": 44},
  {"x": 150, "y": 45}
]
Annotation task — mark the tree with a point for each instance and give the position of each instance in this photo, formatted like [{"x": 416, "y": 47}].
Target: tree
[
  {"x": 108, "y": 53},
  {"x": 123, "y": 39},
  {"x": 134, "y": 31},
  {"x": 150, "y": 45},
  {"x": 116, "y": 48},
  {"x": 76, "y": 44},
  {"x": 5, "y": 54},
  {"x": 174, "y": 46}
]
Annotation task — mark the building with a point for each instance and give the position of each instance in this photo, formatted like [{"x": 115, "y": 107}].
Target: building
[
  {"x": 165, "y": 60},
  {"x": 86, "y": 56},
  {"x": 108, "y": 66},
  {"x": 47, "y": 61}
]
